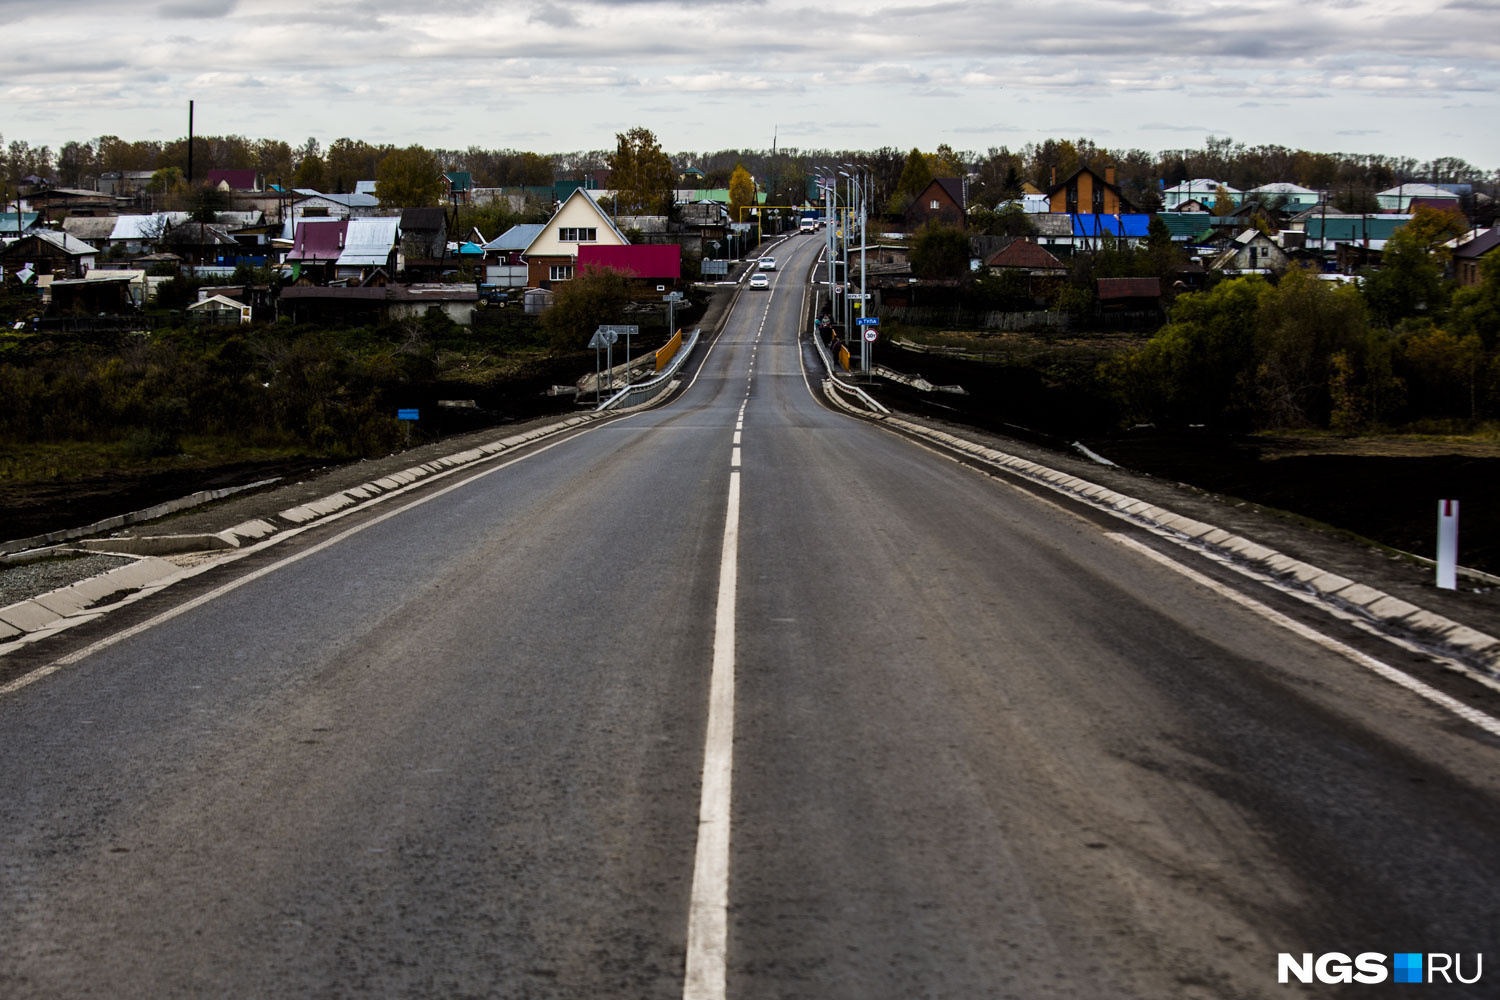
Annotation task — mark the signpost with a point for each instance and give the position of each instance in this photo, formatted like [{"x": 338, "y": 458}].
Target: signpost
[
  {"x": 871, "y": 330},
  {"x": 407, "y": 417},
  {"x": 606, "y": 337}
]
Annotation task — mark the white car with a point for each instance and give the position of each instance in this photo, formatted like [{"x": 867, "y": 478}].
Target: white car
[
  {"x": 768, "y": 263},
  {"x": 759, "y": 281}
]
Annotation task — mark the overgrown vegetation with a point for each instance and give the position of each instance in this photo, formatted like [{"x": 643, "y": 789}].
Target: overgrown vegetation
[
  {"x": 73, "y": 405},
  {"x": 1302, "y": 353}
]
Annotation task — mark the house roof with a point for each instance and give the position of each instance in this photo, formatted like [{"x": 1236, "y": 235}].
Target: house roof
[
  {"x": 319, "y": 239},
  {"x": 1186, "y": 225},
  {"x": 1281, "y": 187},
  {"x": 1026, "y": 254},
  {"x": 1354, "y": 227},
  {"x": 1479, "y": 245},
  {"x": 1052, "y": 223},
  {"x": 1085, "y": 169},
  {"x": 368, "y": 242},
  {"x": 217, "y": 302},
  {"x": 347, "y": 200},
  {"x": 1200, "y": 185},
  {"x": 517, "y": 237},
  {"x": 646, "y": 260},
  {"x": 70, "y": 245},
  {"x": 1129, "y": 288},
  {"x": 240, "y": 220},
  {"x": 197, "y": 234},
  {"x": 1419, "y": 191},
  {"x": 82, "y": 226},
  {"x": 365, "y": 187},
  {"x": 953, "y": 187},
  {"x": 1130, "y": 225},
  {"x": 27, "y": 219},
  {"x": 100, "y": 276},
  {"x": 430, "y": 219},
  {"x": 459, "y": 180},
  {"x": 597, "y": 211},
  {"x": 236, "y": 180},
  {"x": 146, "y": 227}
]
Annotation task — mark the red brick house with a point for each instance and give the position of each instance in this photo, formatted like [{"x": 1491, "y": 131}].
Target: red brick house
[{"x": 942, "y": 200}]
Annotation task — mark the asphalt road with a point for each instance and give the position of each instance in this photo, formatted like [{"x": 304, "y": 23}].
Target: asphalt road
[{"x": 981, "y": 745}]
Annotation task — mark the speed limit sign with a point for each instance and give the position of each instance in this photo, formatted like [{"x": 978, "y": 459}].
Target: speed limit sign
[{"x": 870, "y": 333}]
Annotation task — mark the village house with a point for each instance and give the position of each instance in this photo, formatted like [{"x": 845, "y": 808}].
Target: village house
[
  {"x": 1469, "y": 257},
  {"x": 941, "y": 200},
  {"x": 579, "y": 221},
  {"x": 1084, "y": 191},
  {"x": 1251, "y": 252},
  {"x": 47, "y": 255}
]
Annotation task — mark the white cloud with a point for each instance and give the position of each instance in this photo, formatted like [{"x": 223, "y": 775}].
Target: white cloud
[{"x": 704, "y": 74}]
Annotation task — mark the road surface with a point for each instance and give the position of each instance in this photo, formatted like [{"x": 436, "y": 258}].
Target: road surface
[{"x": 738, "y": 697}]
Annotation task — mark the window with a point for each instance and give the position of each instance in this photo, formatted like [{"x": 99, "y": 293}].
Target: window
[
  {"x": 576, "y": 234},
  {"x": 933, "y": 204},
  {"x": 560, "y": 272}
]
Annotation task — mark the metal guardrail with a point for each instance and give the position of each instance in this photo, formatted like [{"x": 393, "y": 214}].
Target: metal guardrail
[
  {"x": 648, "y": 390},
  {"x": 853, "y": 390}
]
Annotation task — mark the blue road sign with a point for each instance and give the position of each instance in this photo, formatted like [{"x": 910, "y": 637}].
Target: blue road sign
[
  {"x": 406, "y": 414},
  {"x": 867, "y": 321}
]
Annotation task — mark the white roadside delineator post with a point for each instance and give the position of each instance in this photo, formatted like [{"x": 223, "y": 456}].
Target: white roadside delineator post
[{"x": 1447, "y": 553}]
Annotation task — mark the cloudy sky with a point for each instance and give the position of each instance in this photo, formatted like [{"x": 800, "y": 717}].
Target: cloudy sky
[{"x": 1405, "y": 77}]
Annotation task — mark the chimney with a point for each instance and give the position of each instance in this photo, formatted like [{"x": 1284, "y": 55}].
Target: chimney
[{"x": 1109, "y": 175}]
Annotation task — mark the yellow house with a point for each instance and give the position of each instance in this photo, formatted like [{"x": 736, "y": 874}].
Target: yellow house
[
  {"x": 552, "y": 255},
  {"x": 1084, "y": 191}
]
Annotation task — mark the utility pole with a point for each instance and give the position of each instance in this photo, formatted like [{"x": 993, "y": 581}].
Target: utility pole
[{"x": 190, "y": 144}]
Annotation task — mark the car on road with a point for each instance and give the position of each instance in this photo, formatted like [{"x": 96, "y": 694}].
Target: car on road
[
  {"x": 759, "y": 281},
  {"x": 768, "y": 263}
]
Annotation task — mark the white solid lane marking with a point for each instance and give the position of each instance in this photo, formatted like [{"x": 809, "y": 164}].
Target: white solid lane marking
[
  {"x": 1472, "y": 715},
  {"x": 708, "y": 916}
]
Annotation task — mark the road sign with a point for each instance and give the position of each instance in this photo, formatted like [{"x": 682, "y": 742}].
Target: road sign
[
  {"x": 867, "y": 321},
  {"x": 408, "y": 414},
  {"x": 714, "y": 267},
  {"x": 610, "y": 334},
  {"x": 870, "y": 334}
]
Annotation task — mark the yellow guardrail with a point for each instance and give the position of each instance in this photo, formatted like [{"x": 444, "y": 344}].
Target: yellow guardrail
[
  {"x": 844, "y": 357},
  {"x": 668, "y": 351}
]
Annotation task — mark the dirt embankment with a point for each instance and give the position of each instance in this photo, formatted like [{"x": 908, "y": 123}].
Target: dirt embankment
[{"x": 1383, "y": 489}]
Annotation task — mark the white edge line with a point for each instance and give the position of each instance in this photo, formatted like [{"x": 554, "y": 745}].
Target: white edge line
[
  {"x": 705, "y": 976},
  {"x": 1486, "y": 722}
]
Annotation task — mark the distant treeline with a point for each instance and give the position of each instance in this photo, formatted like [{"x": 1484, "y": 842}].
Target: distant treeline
[{"x": 995, "y": 173}]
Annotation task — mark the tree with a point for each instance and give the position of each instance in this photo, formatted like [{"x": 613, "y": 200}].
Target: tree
[
  {"x": 592, "y": 297},
  {"x": 1223, "y": 202},
  {"x": 741, "y": 192},
  {"x": 1476, "y": 310},
  {"x": 309, "y": 173},
  {"x": 1408, "y": 283},
  {"x": 939, "y": 251},
  {"x": 167, "y": 180},
  {"x": 351, "y": 160},
  {"x": 1009, "y": 220},
  {"x": 1197, "y": 368},
  {"x": 207, "y": 202},
  {"x": 915, "y": 177},
  {"x": 1301, "y": 323},
  {"x": 641, "y": 174},
  {"x": 409, "y": 178},
  {"x": 1432, "y": 228}
]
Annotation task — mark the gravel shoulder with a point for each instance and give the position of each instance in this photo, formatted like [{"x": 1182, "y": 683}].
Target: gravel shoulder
[{"x": 1337, "y": 551}]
